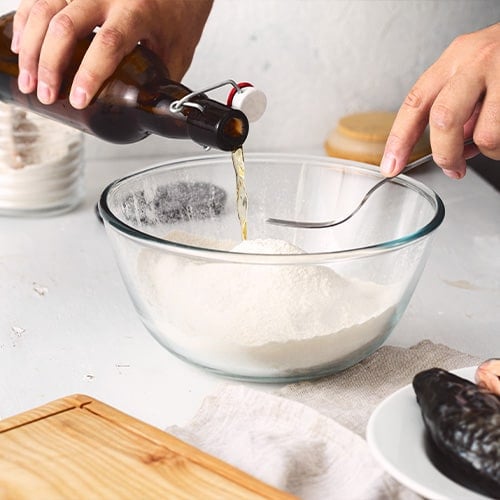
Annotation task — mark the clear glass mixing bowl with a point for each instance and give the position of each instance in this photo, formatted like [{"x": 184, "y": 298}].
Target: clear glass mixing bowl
[{"x": 329, "y": 301}]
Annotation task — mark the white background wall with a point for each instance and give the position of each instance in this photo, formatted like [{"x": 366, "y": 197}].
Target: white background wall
[{"x": 316, "y": 60}]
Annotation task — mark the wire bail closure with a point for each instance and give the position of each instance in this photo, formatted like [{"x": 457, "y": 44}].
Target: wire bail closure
[{"x": 176, "y": 106}]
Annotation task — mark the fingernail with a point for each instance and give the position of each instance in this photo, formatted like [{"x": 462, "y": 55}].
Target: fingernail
[
  {"x": 44, "y": 93},
  {"x": 388, "y": 164},
  {"x": 24, "y": 82},
  {"x": 453, "y": 174},
  {"x": 78, "y": 98},
  {"x": 14, "y": 46}
]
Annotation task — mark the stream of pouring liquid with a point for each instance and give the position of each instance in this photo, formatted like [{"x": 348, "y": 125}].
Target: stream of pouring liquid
[{"x": 241, "y": 192}]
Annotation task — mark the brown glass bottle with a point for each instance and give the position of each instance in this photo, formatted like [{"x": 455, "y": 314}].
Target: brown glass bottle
[{"x": 132, "y": 104}]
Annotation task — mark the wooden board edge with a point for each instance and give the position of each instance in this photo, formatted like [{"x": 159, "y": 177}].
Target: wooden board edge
[
  {"x": 192, "y": 453},
  {"x": 44, "y": 411}
]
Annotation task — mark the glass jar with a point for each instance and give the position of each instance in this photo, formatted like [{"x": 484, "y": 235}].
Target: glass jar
[{"x": 41, "y": 164}]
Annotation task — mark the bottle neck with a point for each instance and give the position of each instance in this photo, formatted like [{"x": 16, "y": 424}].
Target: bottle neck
[
  {"x": 203, "y": 120},
  {"x": 217, "y": 125}
]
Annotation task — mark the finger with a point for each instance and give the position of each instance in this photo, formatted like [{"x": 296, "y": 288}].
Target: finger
[
  {"x": 178, "y": 62},
  {"x": 487, "y": 129},
  {"x": 20, "y": 19},
  {"x": 68, "y": 26},
  {"x": 178, "y": 53},
  {"x": 31, "y": 42},
  {"x": 410, "y": 121},
  {"x": 117, "y": 37},
  {"x": 471, "y": 150},
  {"x": 451, "y": 110}
]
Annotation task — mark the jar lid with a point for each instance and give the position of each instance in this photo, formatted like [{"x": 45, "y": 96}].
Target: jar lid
[
  {"x": 362, "y": 137},
  {"x": 372, "y": 127}
]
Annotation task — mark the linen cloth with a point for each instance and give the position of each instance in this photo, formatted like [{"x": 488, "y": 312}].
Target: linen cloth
[{"x": 307, "y": 438}]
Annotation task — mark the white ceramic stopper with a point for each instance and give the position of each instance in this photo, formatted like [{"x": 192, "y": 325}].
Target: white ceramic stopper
[{"x": 250, "y": 101}]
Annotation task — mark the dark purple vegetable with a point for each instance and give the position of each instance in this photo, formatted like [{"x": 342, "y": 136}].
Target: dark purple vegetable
[{"x": 462, "y": 422}]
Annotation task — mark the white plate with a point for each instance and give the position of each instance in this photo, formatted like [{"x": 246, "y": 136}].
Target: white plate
[{"x": 395, "y": 434}]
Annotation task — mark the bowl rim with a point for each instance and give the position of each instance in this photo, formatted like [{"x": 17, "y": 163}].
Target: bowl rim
[{"x": 130, "y": 232}]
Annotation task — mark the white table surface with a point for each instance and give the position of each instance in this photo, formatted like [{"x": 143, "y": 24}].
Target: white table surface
[{"x": 68, "y": 326}]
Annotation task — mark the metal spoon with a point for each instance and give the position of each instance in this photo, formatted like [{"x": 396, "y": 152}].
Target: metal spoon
[{"x": 332, "y": 223}]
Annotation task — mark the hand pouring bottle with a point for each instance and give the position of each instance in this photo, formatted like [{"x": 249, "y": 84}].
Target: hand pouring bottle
[{"x": 139, "y": 99}]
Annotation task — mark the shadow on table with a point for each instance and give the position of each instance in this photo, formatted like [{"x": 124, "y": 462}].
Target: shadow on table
[{"x": 488, "y": 169}]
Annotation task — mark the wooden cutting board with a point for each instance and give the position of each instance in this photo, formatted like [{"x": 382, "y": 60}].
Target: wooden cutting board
[{"x": 77, "y": 447}]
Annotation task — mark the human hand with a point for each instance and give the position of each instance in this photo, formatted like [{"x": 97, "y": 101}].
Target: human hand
[
  {"x": 45, "y": 33},
  {"x": 459, "y": 97}
]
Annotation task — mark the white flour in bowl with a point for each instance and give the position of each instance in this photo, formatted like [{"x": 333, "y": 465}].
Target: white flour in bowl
[{"x": 262, "y": 320}]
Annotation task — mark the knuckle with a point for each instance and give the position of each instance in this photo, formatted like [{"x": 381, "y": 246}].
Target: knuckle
[
  {"x": 20, "y": 17},
  {"x": 485, "y": 49},
  {"x": 46, "y": 74},
  {"x": 487, "y": 53},
  {"x": 87, "y": 77},
  {"x": 443, "y": 160},
  {"x": 399, "y": 145},
  {"x": 112, "y": 38},
  {"x": 62, "y": 26},
  {"x": 443, "y": 117},
  {"x": 461, "y": 42},
  {"x": 41, "y": 9},
  {"x": 394, "y": 141},
  {"x": 487, "y": 131},
  {"x": 414, "y": 99},
  {"x": 143, "y": 5},
  {"x": 128, "y": 16},
  {"x": 487, "y": 141},
  {"x": 28, "y": 62}
]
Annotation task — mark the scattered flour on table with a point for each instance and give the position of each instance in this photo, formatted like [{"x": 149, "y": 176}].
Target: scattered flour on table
[{"x": 258, "y": 317}]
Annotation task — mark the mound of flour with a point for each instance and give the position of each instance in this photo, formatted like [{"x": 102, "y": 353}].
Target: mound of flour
[{"x": 250, "y": 318}]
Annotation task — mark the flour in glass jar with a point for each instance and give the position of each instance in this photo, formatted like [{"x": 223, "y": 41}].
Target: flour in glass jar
[{"x": 263, "y": 320}]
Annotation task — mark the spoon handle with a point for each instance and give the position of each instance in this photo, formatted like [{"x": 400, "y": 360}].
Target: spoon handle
[{"x": 332, "y": 223}]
